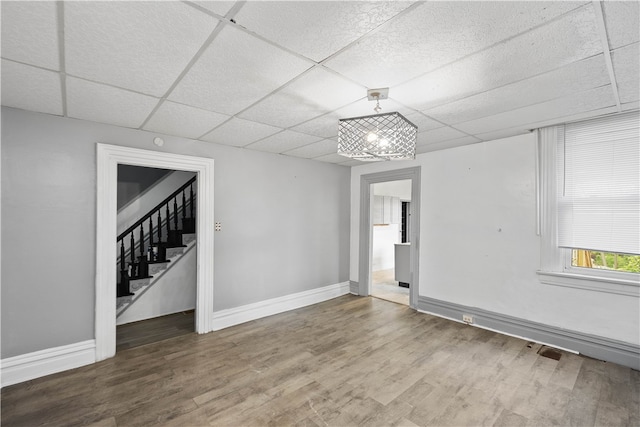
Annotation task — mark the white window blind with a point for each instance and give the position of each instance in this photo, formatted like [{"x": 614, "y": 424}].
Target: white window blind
[{"x": 599, "y": 184}]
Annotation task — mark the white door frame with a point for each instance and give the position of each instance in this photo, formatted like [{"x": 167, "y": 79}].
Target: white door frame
[
  {"x": 366, "y": 228},
  {"x": 108, "y": 158}
]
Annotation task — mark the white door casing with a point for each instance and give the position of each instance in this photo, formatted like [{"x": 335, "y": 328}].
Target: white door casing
[
  {"x": 364, "y": 274},
  {"x": 108, "y": 158}
]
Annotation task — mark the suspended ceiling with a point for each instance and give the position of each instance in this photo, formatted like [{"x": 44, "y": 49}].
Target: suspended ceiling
[{"x": 277, "y": 76}]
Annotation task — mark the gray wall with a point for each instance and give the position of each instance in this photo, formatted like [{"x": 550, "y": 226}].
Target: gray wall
[
  {"x": 133, "y": 180},
  {"x": 478, "y": 241},
  {"x": 285, "y": 225}
]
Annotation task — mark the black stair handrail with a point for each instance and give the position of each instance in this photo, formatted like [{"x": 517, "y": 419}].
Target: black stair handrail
[{"x": 156, "y": 209}]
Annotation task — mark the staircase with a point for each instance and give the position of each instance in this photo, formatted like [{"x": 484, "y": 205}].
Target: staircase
[{"x": 148, "y": 250}]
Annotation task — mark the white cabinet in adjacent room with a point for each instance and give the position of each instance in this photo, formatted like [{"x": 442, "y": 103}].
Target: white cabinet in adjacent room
[{"x": 386, "y": 210}]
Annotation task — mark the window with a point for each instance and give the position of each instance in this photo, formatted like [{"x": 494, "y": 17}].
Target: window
[{"x": 589, "y": 210}]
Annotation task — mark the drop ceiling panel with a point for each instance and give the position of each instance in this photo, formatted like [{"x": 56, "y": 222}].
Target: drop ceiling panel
[
  {"x": 30, "y": 33},
  {"x": 305, "y": 98},
  {"x": 437, "y": 33},
  {"x": 142, "y": 46},
  {"x": 576, "y": 77},
  {"x": 236, "y": 71},
  {"x": 630, "y": 106},
  {"x": 622, "y": 20},
  {"x": 438, "y": 135},
  {"x": 325, "y": 126},
  {"x": 283, "y": 141},
  {"x": 526, "y": 128},
  {"x": 31, "y": 88},
  {"x": 106, "y": 104},
  {"x": 183, "y": 120},
  {"x": 422, "y": 121},
  {"x": 238, "y": 132},
  {"x": 316, "y": 149},
  {"x": 566, "y": 40},
  {"x": 332, "y": 158},
  {"x": 321, "y": 27},
  {"x": 626, "y": 66},
  {"x": 573, "y": 104},
  {"x": 452, "y": 143},
  {"x": 218, "y": 7}
]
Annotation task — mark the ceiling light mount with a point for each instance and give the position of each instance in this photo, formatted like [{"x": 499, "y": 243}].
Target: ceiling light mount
[{"x": 388, "y": 136}]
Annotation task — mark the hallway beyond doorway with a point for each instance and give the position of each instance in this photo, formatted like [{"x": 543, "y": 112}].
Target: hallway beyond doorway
[{"x": 384, "y": 286}]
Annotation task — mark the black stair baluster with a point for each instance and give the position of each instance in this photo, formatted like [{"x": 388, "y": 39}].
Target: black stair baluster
[
  {"x": 168, "y": 222},
  {"x": 184, "y": 208},
  {"x": 142, "y": 240},
  {"x": 153, "y": 252},
  {"x": 131, "y": 249},
  {"x": 122, "y": 266},
  {"x": 132, "y": 254},
  {"x": 139, "y": 268},
  {"x": 191, "y": 196},
  {"x": 175, "y": 213},
  {"x": 150, "y": 231}
]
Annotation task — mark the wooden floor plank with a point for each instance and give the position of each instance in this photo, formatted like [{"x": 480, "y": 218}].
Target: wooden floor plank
[{"x": 348, "y": 361}]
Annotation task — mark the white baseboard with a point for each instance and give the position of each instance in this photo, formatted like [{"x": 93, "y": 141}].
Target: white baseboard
[
  {"x": 28, "y": 366},
  {"x": 245, "y": 313}
]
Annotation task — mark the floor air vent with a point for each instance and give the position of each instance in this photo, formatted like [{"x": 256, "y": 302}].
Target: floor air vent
[{"x": 549, "y": 352}]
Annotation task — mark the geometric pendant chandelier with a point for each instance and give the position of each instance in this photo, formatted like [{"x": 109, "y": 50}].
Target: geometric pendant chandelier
[{"x": 379, "y": 137}]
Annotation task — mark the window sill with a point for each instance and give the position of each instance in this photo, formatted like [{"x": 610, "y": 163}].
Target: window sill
[{"x": 592, "y": 283}]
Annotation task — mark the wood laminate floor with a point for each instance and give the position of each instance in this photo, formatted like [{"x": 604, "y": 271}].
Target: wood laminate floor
[
  {"x": 154, "y": 330},
  {"x": 345, "y": 362}
]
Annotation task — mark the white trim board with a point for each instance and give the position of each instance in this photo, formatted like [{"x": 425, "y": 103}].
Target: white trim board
[
  {"x": 49, "y": 361},
  {"x": 598, "y": 347},
  {"x": 108, "y": 158},
  {"x": 245, "y": 313}
]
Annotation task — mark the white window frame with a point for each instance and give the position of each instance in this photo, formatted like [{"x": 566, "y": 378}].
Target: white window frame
[{"x": 555, "y": 262}]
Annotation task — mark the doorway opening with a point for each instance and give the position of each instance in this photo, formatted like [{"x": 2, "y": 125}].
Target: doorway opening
[
  {"x": 390, "y": 217},
  {"x": 156, "y": 268},
  {"x": 370, "y": 212},
  {"x": 108, "y": 159}
]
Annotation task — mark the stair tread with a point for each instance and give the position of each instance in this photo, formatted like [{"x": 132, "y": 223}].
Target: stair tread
[
  {"x": 141, "y": 278},
  {"x": 158, "y": 262}
]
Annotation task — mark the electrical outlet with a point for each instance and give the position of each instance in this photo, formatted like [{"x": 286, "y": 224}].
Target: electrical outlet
[{"x": 467, "y": 318}]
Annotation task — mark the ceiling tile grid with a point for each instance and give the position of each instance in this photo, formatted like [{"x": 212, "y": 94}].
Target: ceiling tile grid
[
  {"x": 139, "y": 46},
  {"x": 321, "y": 27},
  {"x": 236, "y": 71},
  {"x": 30, "y": 33},
  {"x": 626, "y": 66},
  {"x": 315, "y": 93},
  {"x": 451, "y": 143},
  {"x": 575, "y": 77},
  {"x": 438, "y": 33},
  {"x": 573, "y": 37},
  {"x": 280, "y": 75},
  {"x": 238, "y": 132},
  {"x": 183, "y": 120},
  {"x": 438, "y": 135},
  {"x": 31, "y": 88},
  {"x": 97, "y": 102},
  {"x": 283, "y": 141},
  {"x": 316, "y": 149},
  {"x": 218, "y": 7},
  {"x": 576, "y": 103},
  {"x": 622, "y": 21}
]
